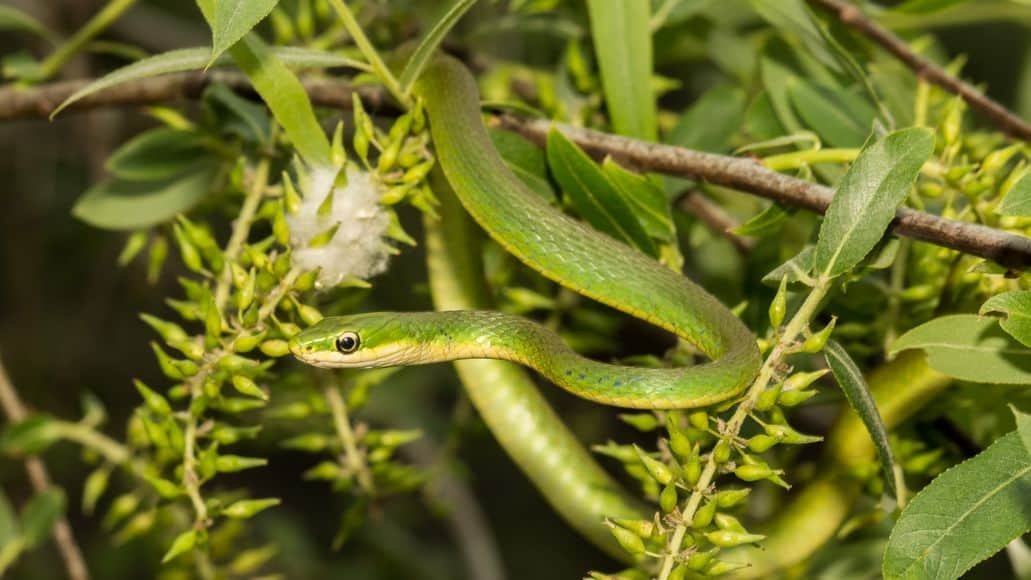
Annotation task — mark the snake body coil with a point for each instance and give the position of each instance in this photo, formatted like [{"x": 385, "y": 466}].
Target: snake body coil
[{"x": 560, "y": 248}]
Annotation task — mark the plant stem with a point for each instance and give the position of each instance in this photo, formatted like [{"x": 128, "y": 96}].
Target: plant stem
[
  {"x": 73, "y": 45},
  {"x": 74, "y": 563},
  {"x": 112, "y": 450},
  {"x": 241, "y": 230},
  {"x": 796, "y": 159},
  {"x": 794, "y": 328},
  {"x": 342, "y": 423},
  {"x": 370, "y": 53}
]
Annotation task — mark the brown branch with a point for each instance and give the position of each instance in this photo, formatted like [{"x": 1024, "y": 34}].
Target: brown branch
[
  {"x": 1006, "y": 120},
  {"x": 62, "y": 531},
  {"x": 1010, "y": 250},
  {"x": 716, "y": 218}
]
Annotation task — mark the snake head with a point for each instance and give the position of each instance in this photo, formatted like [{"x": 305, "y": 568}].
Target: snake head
[{"x": 356, "y": 341}]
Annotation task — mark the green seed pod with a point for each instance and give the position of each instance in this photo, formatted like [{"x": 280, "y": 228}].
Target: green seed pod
[
  {"x": 753, "y": 472},
  {"x": 396, "y": 194},
  {"x": 234, "y": 463},
  {"x": 721, "y": 567},
  {"x": 668, "y": 499},
  {"x": 642, "y": 528},
  {"x": 729, "y": 498},
  {"x": 729, "y": 522},
  {"x": 768, "y": 398},
  {"x": 94, "y": 487},
  {"x": 163, "y": 487},
  {"x": 630, "y": 541},
  {"x": 155, "y": 402},
  {"x": 656, "y": 468},
  {"x": 246, "y": 386},
  {"x": 235, "y": 363},
  {"x": 326, "y": 207},
  {"x": 800, "y": 381},
  {"x": 921, "y": 463},
  {"x": 678, "y": 442},
  {"x": 246, "y": 508},
  {"x": 309, "y": 314},
  {"x": 169, "y": 331},
  {"x": 361, "y": 147},
  {"x": 699, "y": 420},
  {"x": 786, "y": 434},
  {"x": 133, "y": 246},
  {"x": 703, "y": 515},
  {"x": 280, "y": 229},
  {"x": 418, "y": 117},
  {"x": 952, "y": 124},
  {"x": 699, "y": 560},
  {"x": 282, "y": 26},
  {"x": 275, "y": 348},
  {"x": 388, "y": 157},
  {"x": 245, "y": 295},
  {"x": 958, "y": 172},
  {"x": 247, "y": 342},
  {"x": 170, "y": 367},
  {"x": 338, "y": 155},
  {"x": 183, "y": 543},
  {"x": 931, "y": 190},
  {"x": 190, "y": 254},
  {"x": 729, "y": 539},
  {"x": 679, "y": 572},
  {"x": 156, "y": 258},
  {"x": 793, "y": 398},
  {"x": 306, "y": 281},
  {"x": 327, "y": 470},
  {"x": 693, "y": 467},
  {"x": 721, "y": 453},
  {"x": 121, "y": 508},
  {"x": 418, "y": 173},
  {"x": 762, "y": 443},
  {"x": 212, "y": 324},
  {"x": 322, "y": 238},
  {"x": 644, "y": 422},
  {"x": 997, "y": 159},
  {"x": 291, "y": 199},
  {"x": 779, "y": 306},
  {"x": 818, "y": 340}
]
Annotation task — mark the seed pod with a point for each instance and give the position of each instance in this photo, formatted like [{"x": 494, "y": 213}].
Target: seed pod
[
  {"x": 762, "y": 443},
  {"x": 280, "y": 229},
  {"x": 995, "y": 160},
  {"x": 291, "y": 200},
  {"x": 729, "y": 522},
  {"x": 630, "y": 541},
  {"x": 779, "y": 305},
  {"x": 306, "y": 281},
  {"x": 338, "y": 155},
  {"x": 793, "y": 398},
  {"x": 729, "y": 498},
  {"x": 953, "y": 121},
  {"x": 324, "y": 237},
  {"x": 94, "y": 487},
  {"x": 721, "y": 567},
  {"x": 699, "y": 560},
  {"x": 699, "y": 420},
  {"x": 275, "y": 348},
  {"x": 183, "y": 543},
  {"x": 753, "y": 472},
  {"x": 693, "y": 467},
  {"x": 668, "y": 499},
  {"x": 656, "y": 468},
  {"x": 234, "y": 463},
  {"x": 642, "y": 528},
  {"x": 679, "y": 572},
  {"x": 768, "y": 398},
  {"x": 169, "y": 331},
  {"x": 800, "y": 381},
  {"x": 246, "y": 508},
  {"x": 678, "y": 442},
  {"x": 721, "y": 453},
  {"x": 703, "y": 515},
  {"x": 246, "y": 386},
  {"x": 155, "y": 402},
  {"x": 327, "y": 470},
  {"x": 818, "y": 340},
  {"x": 729, "y": 539},
  {"x": 641, "y": 421},
  {"x": 189, "y": 252},
  {"x": 785, "y": 434}
]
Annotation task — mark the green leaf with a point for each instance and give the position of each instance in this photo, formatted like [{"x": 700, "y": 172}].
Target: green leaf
[
  {"x": 183, "y": 543},
  {"x": 131, "y": 205},
  {"x": 765, "y": 222},
  {"x": 839, "y": 117},
  {"x": 647, "y": 201},
  {"x": 13, "y": 19},
  {"x": 854, "y": 386},
  {"x": 526, "y": 160},
  {"x": 795, "y": 270},
  {"x": 867, "y": 197},
  {"x": 965, "y": 515},
  {"x": 285, "y": 97},
  {"x": 792, "y": 17},
  {"x": 970, "y": 348},
  {"x": 9, "y": 527},
  {"x": 430, "y": 42},
  {"x": 1023, "y": 427},
  {"x": 778, "y": 79},
  {"x": 245, "y": 118},
  {"x": 187, "y": 59},
  {"x": 593, "y": 195},
  {"x": 157, "y": 154},
  {"x": 710, "y": 122},
  {"x": 1017, "y": 200},
  {"x": 233, "y": 19},
  {"x": 1016, "y": 306},
  {"x": 623, "y": 45},
  {"x": 40, "y": 514},
  {"x": 926, "y": 6},
  {"x": 30, "y": 436}
]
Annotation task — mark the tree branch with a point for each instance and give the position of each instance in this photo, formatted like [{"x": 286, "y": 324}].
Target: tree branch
[
  {"x": 1004, "y": 119},
  {"x": 1010, "y": 250},
  {"x": 40, "y": 479}
]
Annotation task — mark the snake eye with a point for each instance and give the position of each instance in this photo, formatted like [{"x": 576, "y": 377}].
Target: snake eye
[{"x": 348, "y": 342}]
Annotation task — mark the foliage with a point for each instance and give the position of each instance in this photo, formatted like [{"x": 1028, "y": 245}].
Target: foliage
[{"x": 281, "y": 210}]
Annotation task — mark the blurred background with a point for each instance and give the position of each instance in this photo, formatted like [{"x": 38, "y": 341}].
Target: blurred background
[{"x": 69, "y": 318}]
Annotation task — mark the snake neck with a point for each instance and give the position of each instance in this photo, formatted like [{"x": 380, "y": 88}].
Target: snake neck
[{"x": 465, "y": 334}]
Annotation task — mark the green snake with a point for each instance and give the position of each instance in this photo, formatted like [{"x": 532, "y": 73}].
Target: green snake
[{"x": 560, "y": 248}]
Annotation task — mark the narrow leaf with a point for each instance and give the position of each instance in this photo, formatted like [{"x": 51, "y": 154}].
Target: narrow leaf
[
  {"x": 854, "y": 386},
  {"x": 1017, "y": 200},
  {"x": 234, "y": 19},
  {"x": 794, "y": 270},
  {"x": 765, "y": 222},
  {"x": 710, "y": 122},
  {"x": 926, "y": 6},
  {"x": 39, "y": 515},
  {"x": 131, "y": 205},
  {"x": 648, "y": 202},
  {"x": 965, "y": 515},
  {"x": 526, "y": 160},
  {"x": 623, "y": 45},
  {"x": 431, "y": 41},
  {"x": 157, "y": 154},
  {"x": 839, "y": 117},
  {"x": 13, "y": 19},
  {"x": 1016, "y": 306},
  {"x": 867, "y": 197},
  {"x": 187, "y": 59},
  {"x": 595, "y": 198},
  {"x": 791, "y": 17},
  {"x": 1023, "y": 427},
  {"x": 970, "y": 348}
]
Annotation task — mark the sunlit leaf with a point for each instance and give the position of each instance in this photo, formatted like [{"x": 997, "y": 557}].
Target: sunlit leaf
[
  {"x": 970, "y": 348},
  {"x": 839, "y": 117},
  {"x": 1017, "y": 200},
  {"x": 130, "y": 205},
  {"x": 965, "y": 515},
  {"x": 526, "y": 160},
  {"x": 1016, "y": 306},
  {"x": 431, "y": 41},
  {"x": 233, "y": 19},
  {"x": 39, "y": 515}
]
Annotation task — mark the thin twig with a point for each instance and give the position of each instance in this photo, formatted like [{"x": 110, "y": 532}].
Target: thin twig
[
  {"x": 40, "y": 479},
  {"x": 747, "y": 175},
  {"x": 1004, "y": 119},
  {"x": 714, "y": 216},
  {"x": 1010, "y": 250}
]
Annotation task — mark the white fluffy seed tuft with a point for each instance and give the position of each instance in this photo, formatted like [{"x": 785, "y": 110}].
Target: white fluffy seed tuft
[{"x": 358, "y": 249}]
